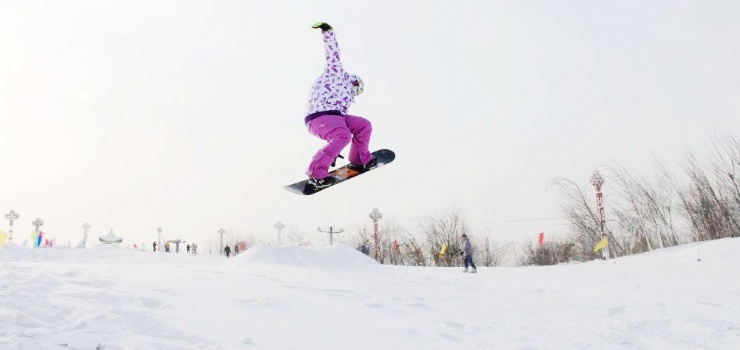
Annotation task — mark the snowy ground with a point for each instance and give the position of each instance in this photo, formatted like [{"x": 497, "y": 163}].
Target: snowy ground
[{"x": 336, "y": 298}]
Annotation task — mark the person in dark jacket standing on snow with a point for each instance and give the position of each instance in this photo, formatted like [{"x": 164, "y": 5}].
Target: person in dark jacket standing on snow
[
  {"x": 468, "y": 254},
  {"x": 227, "y": 250}
]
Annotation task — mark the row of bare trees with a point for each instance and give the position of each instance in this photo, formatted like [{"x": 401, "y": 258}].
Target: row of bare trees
[
  {"x": 697, "y": 199},
  {"x": 700, "y": 200},
  {"x": 439, "y": 244}
]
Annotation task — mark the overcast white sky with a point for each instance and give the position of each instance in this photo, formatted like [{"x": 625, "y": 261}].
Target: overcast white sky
[{"x": 188, "y": 115}]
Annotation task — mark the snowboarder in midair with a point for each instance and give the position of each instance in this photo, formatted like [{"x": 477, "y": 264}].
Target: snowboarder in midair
[{"x": 331, "y": 95}]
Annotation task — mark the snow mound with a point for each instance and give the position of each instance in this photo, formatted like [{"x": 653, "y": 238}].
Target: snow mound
[
  {"x": 336, "y": 256},
  {"x": 14, "y": 252}
]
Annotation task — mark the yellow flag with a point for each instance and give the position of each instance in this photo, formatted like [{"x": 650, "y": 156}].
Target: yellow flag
[
  {"x": 444, "y": 249},
  {"x": 3, "y": 238},
  {"x": 601, "y": 245}
]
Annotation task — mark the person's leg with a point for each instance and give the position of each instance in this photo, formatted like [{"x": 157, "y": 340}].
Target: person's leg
[
  {"x": 331, "y": 128},
  {"x": 361, "y": 130}
]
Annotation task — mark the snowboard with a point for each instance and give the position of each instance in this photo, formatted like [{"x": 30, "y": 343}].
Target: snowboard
[{"x": 342, "y": 174}]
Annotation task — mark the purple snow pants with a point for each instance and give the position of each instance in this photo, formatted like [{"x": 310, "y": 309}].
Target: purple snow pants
[{"x": 339, "y": 130}]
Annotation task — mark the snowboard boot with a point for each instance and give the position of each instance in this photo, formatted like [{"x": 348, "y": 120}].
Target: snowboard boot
[
  {"x": 474, "y": 270},
  {"x": 466, "y": 270},
  {"x": 322, "y": 183},
  {"x": 362, "y": 168}
]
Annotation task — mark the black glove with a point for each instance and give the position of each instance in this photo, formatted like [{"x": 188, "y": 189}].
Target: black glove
[{"x": 323, "y": 25}]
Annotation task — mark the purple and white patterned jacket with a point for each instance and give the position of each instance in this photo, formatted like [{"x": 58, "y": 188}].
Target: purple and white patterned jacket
[{"x": 332, "y": 91}]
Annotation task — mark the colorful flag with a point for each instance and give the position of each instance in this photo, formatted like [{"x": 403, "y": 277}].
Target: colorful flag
[
  {"x": 443, "y": 251},
  {"x": 601, "y": 245},
  {"x": 541, "y": 240}
]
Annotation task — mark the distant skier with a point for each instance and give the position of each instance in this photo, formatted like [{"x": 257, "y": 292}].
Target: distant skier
[
  {"x": 227, "y": 251},
  {"x": 327, "y": 118},
  {"x": 364, "y": 248},
  {"x": 468, "y": 254}
]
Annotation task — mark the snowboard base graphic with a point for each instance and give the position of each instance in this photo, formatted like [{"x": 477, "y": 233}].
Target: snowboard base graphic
[{"x": 342, "y": 174}]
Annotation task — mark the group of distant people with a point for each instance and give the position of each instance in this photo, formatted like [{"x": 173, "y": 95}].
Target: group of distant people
[
  {"x": 467, "y": 251},
  {"x": 227, "y": 250},
  {"x": 191, "y": 248}
]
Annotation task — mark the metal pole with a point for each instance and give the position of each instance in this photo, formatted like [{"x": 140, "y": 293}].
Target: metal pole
[
  {"x": 279, "y": 226},
  {"x": 85, "y": 227},
  {"x": 513, "y": 247},
  {"x": 221, "y": 247},
  {"x": 38, "y": 223},
  {"x": 159, "y": 238},
  {"x": 11, "y": 216}
]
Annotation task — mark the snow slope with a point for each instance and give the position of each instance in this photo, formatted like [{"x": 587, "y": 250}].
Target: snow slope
[{"x": 337, "y": 298}]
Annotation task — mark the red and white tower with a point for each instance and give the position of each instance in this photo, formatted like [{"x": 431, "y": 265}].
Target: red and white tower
[
  {"x": 597, "y": 180},
  {"x": 375, "y": 215}
]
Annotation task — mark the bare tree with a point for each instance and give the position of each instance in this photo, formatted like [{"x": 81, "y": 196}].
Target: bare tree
[
  {"x": 391, "y": 241},
  {"x": 551, "y": 252},
  {"x": 703, "y": 204},
  {"x": 725, "y": 173},
  {"x": 445, "y": 230},
  {"x": 576, "y": 206},
  {"x": 488, "y": 252},
  {"x": 643, "y": 210},
  {"x": 295, "y": 236},
  {"x": 412, "y": 251}
]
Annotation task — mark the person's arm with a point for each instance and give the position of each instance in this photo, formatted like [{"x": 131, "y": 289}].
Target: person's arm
[{"x": 331, "y": 49}]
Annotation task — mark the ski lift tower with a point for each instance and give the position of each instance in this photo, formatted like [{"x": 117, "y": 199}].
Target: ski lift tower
[{"x": 597, "y": 180}]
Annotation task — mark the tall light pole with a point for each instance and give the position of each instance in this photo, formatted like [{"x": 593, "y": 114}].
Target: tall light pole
[
  {"x": 597, "y": 180},
  {"x": 488, "y": 245},
  {"x": 221, "y": 248},
  {"x": 37, "y": 223},
  {"x": 159, "y": 238},
  {"x": 279, "y": 226},
  {"x": 85, "y": 227},
  {"x": 375, "y": 215},
  {"x": 11, "y": 216}
]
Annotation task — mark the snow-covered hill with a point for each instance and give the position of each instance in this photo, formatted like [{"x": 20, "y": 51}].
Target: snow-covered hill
[{"x": 337, "y": 298}]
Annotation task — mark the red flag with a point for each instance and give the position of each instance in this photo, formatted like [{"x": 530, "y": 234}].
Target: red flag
[{"x": 541, "y": 240}]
